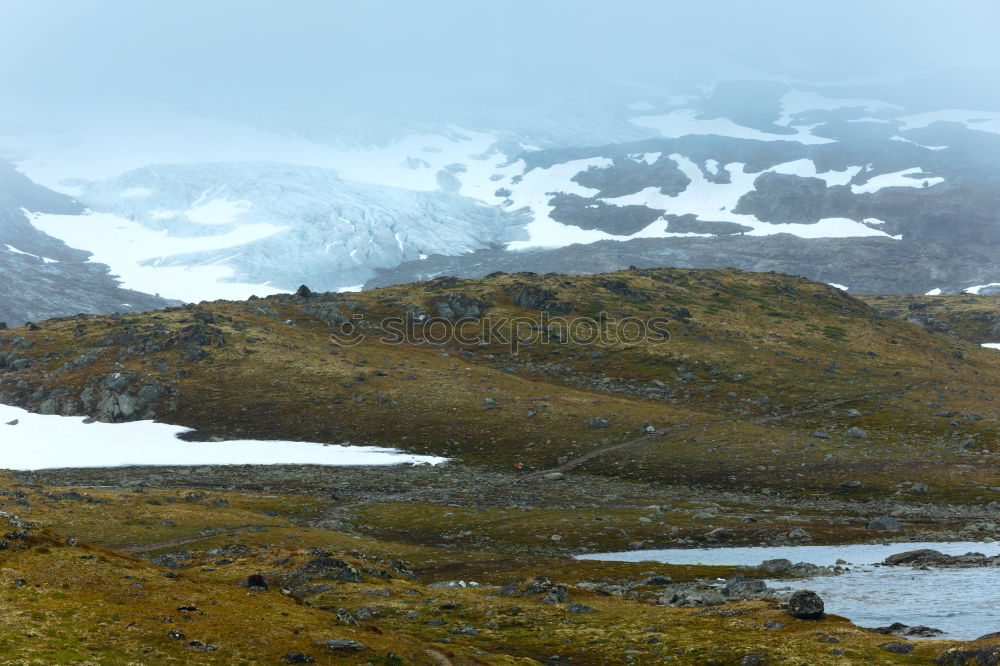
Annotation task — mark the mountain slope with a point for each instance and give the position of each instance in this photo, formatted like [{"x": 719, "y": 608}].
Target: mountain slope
[
  {"x": 201, "y": 208},
  {"x": 748, "y": 367},
  {"x": 41, "y": 276}
]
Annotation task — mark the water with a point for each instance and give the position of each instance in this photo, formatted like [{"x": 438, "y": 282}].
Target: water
[
  {"x": 820, "y": 555},
  {"x": 964, "y": 603}
]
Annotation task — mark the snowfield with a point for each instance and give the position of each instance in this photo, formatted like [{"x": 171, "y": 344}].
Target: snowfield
[
  {"x": 136, "y": 254},
  {"x": 34, "y": 441},
  {"x": 196, "y": 208}
]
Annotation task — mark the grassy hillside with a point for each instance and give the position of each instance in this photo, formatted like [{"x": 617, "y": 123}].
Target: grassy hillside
[
  {"x": 965, "y": 316},
  {"x": 758, "y": 382},
  {"x": 586, "y": 413}
]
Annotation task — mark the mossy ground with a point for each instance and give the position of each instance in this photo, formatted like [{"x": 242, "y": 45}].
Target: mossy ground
[
  {"x": 750, "y": 400},
  {"x": 76, "y": 603}
]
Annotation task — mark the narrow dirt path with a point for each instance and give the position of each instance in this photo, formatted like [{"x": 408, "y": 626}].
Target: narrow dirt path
[
  {"x": 757, "y": 420},
  {"x": 149, "y": 547}
]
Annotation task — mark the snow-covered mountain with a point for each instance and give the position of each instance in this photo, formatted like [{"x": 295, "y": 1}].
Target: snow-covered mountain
[
  {"x": 41, "y": 276},
  {"x": 819, "y": 180}
]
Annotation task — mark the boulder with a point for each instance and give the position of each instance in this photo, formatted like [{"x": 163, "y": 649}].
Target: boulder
[
  {"x": 884, "y": 524},
  {"x": 805, "y": 605}
]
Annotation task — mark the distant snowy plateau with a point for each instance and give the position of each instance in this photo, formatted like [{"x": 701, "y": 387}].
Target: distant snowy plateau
[{"x": 861, "y": 193}]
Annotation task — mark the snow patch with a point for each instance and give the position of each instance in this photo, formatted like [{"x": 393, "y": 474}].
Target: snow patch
[
  {"x": 28, "y": 254},
  {"x": 895, "y": 179},
  {"x": 217, "y": 211},
  {"x": 799, "y": 101},
  {"x": 982, "y": 121},
  {"x": 136, "y": 254},
  {"x": 838, "y": 286},
  {"x": 905, "y": 140},
  {"x": 534, "y": 192},
  {"x": 991, "y": 345},
  {"x": 969, "y": 290},
  {"x": 806, "y": 168},
  {"x": 45, "y": 442},
  {"x": 831, "y": 227},
  {"x": 683, "y": 122},
  {"x": 135, "y": 192},
  {"x": 933, "y": 292}
]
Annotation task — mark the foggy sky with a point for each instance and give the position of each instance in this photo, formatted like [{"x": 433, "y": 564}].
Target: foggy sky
[{"x": 227, "y": 56}]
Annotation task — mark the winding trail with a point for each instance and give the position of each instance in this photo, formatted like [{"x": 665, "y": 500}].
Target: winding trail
[{"x": 756, "y": 420}]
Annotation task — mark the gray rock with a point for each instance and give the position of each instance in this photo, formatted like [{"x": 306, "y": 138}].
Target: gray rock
[
  {"x": 579, "y": 608},
  {"x": 805, "y": 605},
  {"x": 343, "y": 645},
  {"x": 884, "y": 523}
]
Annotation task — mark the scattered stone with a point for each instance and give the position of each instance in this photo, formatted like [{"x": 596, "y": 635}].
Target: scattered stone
[
  {"x": 658, "y": 580},
  {"x": 719, "y": 533},
  {"x": 885, "y": 524},
  {"x": 343, "y": 646},
  {"x": 903, "y": 630},
  {"x": 579, "y": 608},
  {"x": 856, "y": 433},
  {"x": 898, "y": 648},
  {"x": 298, "y": 658}
]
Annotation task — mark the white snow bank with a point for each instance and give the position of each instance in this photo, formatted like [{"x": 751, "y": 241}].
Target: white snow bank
[
  {"x": 43, "y": 442},
  {"x": 703, "y": 198},
  {"x": 132, "y": 192},
  {"x": 983, "y": 121},
  {"x": 977, "y": 288},
  {"x": 217, "y": 211},
  {"x": 683, "y": 122},
  {"x": 933, "y": 292},
  {"x": 838, "y": 286},
  {"x": 895, "y": 179},
  {"x": 905, "y": 140},
  {"x": 28, "y": 254},
  {"x": 992, "y": 345},
  {"x": 806, "y": 168},
  {"x": 135, "y": 254},
  {"x": 799, "y": 101}
]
